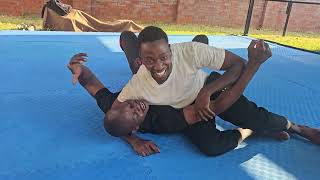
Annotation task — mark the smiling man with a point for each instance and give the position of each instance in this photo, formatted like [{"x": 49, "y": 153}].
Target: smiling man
[{"x": 171, "y": 75}]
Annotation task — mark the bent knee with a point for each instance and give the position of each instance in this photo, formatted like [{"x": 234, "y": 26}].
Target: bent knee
[{"x": 127, "y": 34}]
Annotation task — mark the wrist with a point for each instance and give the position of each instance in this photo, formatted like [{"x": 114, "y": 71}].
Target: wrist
[
  {"x": 206, "y": 91},
  {"x": 253, "y": 64},
  {"x": 129, "y": 138},
  {"x": 134, "y": 141},
  {"x": 74, "y": 66}
]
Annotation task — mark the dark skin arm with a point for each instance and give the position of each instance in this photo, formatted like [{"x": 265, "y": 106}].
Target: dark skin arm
[
  {"x": 258, "y": 53},
  {"x": 83, "y": 74},
  {"x": 89, "y": 81},
  {"x": 233, "y": 66}
]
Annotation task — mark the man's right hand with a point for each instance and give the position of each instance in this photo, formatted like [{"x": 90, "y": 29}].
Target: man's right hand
[
  {"x": 190, "y": 114},
  {"x": 75, "y": 66}
]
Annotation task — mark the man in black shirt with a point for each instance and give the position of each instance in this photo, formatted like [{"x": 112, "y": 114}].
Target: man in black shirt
[{"x": 166, "y": 119}]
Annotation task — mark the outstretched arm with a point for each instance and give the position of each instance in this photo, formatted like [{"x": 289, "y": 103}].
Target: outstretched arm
[
  {"x": 258, "y": 52},
  {"x": 89, "y": 81},
  {"x": 83, "y": 74}
]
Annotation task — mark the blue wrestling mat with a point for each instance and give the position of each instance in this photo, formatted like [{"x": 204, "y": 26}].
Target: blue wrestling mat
[{"x": 50, "y": 129}]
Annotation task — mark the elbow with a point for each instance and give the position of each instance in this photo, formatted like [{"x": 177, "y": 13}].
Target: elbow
[{"x": 105, "y": 123}]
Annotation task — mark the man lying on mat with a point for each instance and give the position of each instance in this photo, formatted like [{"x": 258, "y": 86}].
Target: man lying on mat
[
  {"x": 172, "y": 75},
  {"x": 167, "y": 119}
]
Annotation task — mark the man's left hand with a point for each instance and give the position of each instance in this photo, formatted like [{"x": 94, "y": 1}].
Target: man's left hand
[{"x": 258, "y": 52}]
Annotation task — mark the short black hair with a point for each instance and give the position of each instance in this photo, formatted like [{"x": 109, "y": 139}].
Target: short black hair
[
  {"x": 150, "y": 34},
  {"x": 117, "y": 126}
]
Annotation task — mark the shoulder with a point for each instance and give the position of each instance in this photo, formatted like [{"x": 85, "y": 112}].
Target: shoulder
[
  {"x": 193, "y": 47},
  {"x": 181, "y": 46},
  {"x": 182, "y": 50}
]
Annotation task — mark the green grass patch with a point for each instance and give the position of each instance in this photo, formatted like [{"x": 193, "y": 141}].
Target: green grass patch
[
  {"x": 300, "y": 41},
  {"x": 11, "y": 22},
  {"x": 309, "y": 41},
  {"x": 191, "y": 29}
]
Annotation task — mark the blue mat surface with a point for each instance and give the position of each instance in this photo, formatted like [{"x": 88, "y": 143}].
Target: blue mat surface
[{"x": 52, "y": 130}]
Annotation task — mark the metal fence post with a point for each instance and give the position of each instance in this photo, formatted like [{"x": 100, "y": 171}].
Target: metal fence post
[
  {"x": 249, "y": 15},
  {"x": 289, "y": 7}
]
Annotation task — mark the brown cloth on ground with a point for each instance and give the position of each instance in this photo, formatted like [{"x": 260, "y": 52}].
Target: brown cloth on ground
[
  {"x": 80, "y": 21},
  {"x": 57, "y": 6}
]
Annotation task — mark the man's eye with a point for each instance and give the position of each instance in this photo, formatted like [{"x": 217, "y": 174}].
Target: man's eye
[
  {"x": 163, "y": 58},
  {"x": 149, "y": 60}
]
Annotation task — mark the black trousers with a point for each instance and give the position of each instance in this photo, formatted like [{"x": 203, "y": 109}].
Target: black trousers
[
  {"x": 243, "y": 113},
  {"x": 204, "y": 134}
]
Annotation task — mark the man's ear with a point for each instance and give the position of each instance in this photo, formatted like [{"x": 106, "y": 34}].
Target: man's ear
[
  {"x": 138, "y": 61},
  {"x": 135, "y": 129}
]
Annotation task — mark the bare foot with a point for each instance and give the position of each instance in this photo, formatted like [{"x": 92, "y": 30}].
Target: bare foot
[
  {"x": 281, "y": 136},
  {"x": 309, "y": 133}
]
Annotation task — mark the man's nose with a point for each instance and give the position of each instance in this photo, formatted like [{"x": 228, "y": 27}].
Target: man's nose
[
  {"x": 136, "y": 107},
  {"x": 158, "y": 66}
]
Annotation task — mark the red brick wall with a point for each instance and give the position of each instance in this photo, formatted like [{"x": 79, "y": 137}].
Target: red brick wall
[
  {"x": 303, "y": 17},
  {"x": 31, "y": 7},
  {"x": 141, "y": 10},
  {"x": 227, "y": 13},
  {"x": 11, "y": 7},
  {"x": 84, "y": 5},
  {"x": 21, "y": 7}
]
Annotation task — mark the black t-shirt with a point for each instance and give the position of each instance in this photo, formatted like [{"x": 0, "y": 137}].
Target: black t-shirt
[{"x": 159, "y": 119}]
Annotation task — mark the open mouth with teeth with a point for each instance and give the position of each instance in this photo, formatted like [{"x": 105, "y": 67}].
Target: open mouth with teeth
[
  {"x": 142, "y": 105},
  {"x": 160, "y": 74}
]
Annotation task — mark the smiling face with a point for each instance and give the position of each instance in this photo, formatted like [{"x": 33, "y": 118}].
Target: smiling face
[
  {"x": 156, "y": 56},
  {"x": 126, "y": 117},
  {"x": 134, "y": 112}
]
